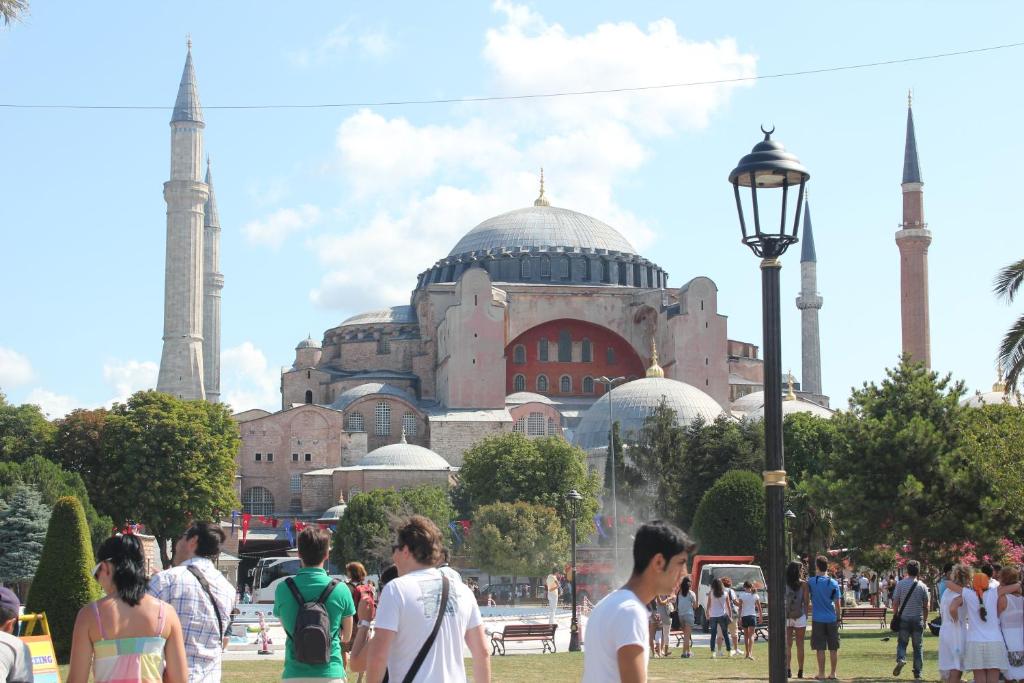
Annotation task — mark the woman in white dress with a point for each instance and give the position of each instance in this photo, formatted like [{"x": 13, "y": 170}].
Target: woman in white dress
[
  {"x": 1011, "y": 621},
  {"x": 984, "y": 651},
  {"x": 954, "y": 629}
]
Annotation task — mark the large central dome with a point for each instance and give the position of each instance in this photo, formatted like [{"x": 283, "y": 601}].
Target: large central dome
[{"x": 542, "y": 226}]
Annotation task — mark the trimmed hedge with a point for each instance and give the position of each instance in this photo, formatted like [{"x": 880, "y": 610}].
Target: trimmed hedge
[
  {"x": 62, "y": 585},
  {"x": 730, "y": 517}
]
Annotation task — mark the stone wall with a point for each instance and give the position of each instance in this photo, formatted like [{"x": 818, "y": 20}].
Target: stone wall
[
  {"x": 700, "y": 340},
  {"x": 317, "y": 491},
  {"x": 450, "y": 438}
]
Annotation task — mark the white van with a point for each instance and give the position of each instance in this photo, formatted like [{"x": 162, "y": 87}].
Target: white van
[{"x": 739, "y": 573}]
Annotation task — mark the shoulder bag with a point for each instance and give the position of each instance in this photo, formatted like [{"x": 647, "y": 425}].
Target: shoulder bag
[
  {"x": 422, "y": 655},
  {"x": 206, "y": 587},
  {"x": 897, "y": 618}
]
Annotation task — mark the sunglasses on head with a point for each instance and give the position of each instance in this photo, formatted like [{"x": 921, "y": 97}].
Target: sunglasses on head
[{"x": 96, "y": 569}]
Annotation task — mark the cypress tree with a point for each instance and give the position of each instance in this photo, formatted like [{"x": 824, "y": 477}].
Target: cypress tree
[
  {"x": 22, "y": 530},
  {"x": 62, "y": 583}
]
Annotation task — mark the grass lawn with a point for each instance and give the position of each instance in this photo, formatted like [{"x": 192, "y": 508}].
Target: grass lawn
[{"x": 862, "y": 657}]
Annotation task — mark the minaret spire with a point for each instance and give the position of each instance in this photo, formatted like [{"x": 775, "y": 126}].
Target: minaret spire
[
  {"x": 913, "y": 239},
  {"x": 213, "y": 283},
  {"x": 809, "y": 302},
  {"x": 181, "y": 361}
]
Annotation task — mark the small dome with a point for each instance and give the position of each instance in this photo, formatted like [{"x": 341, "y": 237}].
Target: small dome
[
  {"x": 521, "y": 397},
  {"x": 634, "y": 401},
  {"x": 990, "y": 398},
  {"x": 333, "y": 514},
  {"x": 369, "y": 389},
  {"x": 395, "y": 314},
  {"x": 308, "y": 343},
  {"x": 404, "y": 456},
  {"x": 748, "y": 402},
  {"x": 791, "y": 406}
]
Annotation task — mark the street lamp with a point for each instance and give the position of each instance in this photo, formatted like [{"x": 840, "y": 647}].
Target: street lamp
[
  {"x": 770, "y": 167},
  {"x": 574, "y": 499},
  {"x": 790, "y": 516},
  {"x": 609, "y": 384}
]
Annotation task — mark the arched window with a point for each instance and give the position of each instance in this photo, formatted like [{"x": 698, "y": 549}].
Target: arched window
[
  {"x": 382, "y": 416},
  {"x": 545, "y": 266},
  {"x": 409, "y": 424},
  {"x": 551, "y": 427},
  {"x": 295, "y": 486},
  {"x": 519, "y": 355},
  {"x": 309, "y": 396},
  {"x": 355, "y": 423},
  {"x": 542, "y": 350},
  {"x": 258, "y": 501},
  {"x": 563, "y": 267},
  {"x": 606, "y": 271},
  {"x": 519, "y": 383},
  {"x": 622, "y": 274},
  {"x": 588, "y": 385},
  {"x": 524, "y": 267},
  {"x": 565, "y": 384},
  {"x": 586, "y": 269},
  {"x": 535, "y": 424},
  {"x": 519, "y": 425},
  {"x": 384, "y": 344},
  {"x": 542, "y": 383},
  {"x": 586, "y": 351},
  {"x": 610, "y": 356},
  {"x": 564, "y": 347}
]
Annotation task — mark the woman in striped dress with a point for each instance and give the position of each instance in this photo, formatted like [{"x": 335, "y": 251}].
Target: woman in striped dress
[{"x": 128, "y": 636}]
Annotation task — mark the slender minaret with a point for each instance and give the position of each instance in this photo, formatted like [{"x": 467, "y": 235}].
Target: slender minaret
[
  {"x": 213, "y": 283},
  {"x": 809, "y": 302},
  {"x": 913, "y": 239},
  {"x": 181, "y": 363}
]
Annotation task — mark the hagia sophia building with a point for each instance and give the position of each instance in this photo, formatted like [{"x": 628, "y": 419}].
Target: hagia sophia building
[{"x": 510, "y": 332}]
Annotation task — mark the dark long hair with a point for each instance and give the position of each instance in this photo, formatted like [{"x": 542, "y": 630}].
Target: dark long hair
[
  {"x": 124, "y": 553},
  {"x": 716, "y": 588},
  {"x": 684, "y": 587},
  {"x": 793, "y": 575}
]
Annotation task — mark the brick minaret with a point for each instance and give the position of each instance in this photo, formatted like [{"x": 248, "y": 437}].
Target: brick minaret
[{"x": 913, "y": 239}]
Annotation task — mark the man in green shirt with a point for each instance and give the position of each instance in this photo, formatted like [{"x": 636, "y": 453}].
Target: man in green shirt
[{"x": 311, "y": 580}]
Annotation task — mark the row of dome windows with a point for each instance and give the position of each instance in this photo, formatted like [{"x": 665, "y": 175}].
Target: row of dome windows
[
  {"x": 610, "y": 270},
  {"x": 564, "y": 351},
  {"x": 543, "y": 386},
  {"x": 534, "y": 425},
  {"x": 382, "y": 422}
]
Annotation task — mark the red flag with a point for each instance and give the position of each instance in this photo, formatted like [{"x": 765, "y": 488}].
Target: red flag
[
  {"x": 322, "y": 525},
  {"x": 245, "y": 525},
  {"x": 299, "y": 526},
  {"x": 274, "y": 522},
  {"x": 262, "y": 518}
]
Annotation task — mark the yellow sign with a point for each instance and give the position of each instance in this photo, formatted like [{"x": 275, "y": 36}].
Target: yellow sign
[{"x": 44, "y": 661}]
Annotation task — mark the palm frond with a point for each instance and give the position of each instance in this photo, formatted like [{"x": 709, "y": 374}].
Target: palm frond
[
  {"x": 13, "y": 10},
  {"x": 1011, "y": 353},
  {"x": 1008, "y": 281}
]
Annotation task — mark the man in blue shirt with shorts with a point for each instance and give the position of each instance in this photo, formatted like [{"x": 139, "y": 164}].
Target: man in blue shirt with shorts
[{"x": 826, "y": 610}]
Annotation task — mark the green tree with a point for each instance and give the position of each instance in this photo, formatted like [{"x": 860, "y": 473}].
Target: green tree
[
  {"x": 711, "y": 450},
  {"x": 520, "y": 539},
  {"x": 658, "y": 457},
  {"x": 62, "y": 583},
  {"x": 813, "y": 530},
  {"x": 730, "y": 517},
  {"x": 24, "y": 432},
  {"x": 629, "y": 488},
  {"x": 168, "y": 461},
  {"x": 809, "y": 443},
  {"x": 23, "y": 520},
  {"x": 1011, "y": 348},
  {"x": 367, "y": 529},
  {"x": 78, "y": 447},
  {"x": 511, "y": 468},
  {"x": 52, "y": 482}
]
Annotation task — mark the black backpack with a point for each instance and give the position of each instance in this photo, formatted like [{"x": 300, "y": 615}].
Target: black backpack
[{"x": 311, "y": 637}]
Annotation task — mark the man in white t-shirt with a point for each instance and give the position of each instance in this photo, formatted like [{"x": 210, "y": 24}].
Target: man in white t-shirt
[
  {"x": 616, "y": 647},
  {"x": 15, "y": 660},
  {"x": 551, "y": 584},
  {"x": 408, "y": 609}
]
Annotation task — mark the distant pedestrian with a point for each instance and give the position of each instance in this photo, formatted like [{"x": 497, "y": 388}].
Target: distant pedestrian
[
  {"x": 826, "y": 610},
  {"x": 423, "y": 618},
  {"x": 984, "y": 649},
  {"x": 663, "y": 603},
  {"x": 910, "y": 602},
  {"x": 873, "y": 589},
  {"x": 798, "y": 605},
  {"x": 202, "y": 597},
  {"x": 953, "y": 633},
  {"x": 864, "y": 583},
  {"x": 15, "y": 659},
  {"x": 734, "y": 604},
  {"x": 1011, "y": 622},
  {"x": 551, "y": 585},
  {"x": 718, "y": 609},
  {"x": 686, "y": 608},
  {"x": 750, "y": 614},
  {"x": 616, "y": 648}
]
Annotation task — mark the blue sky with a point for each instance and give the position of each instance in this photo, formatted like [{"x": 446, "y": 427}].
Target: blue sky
[{"x": 328, "y": 212}]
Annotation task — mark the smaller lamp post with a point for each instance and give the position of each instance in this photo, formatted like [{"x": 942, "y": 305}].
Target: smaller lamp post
[
  {"x": 574, "y": 626},
  {"x": 790, "y": 516}
]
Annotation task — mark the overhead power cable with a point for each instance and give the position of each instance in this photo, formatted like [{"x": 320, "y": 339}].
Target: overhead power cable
[{"x": 536, "y": 96}]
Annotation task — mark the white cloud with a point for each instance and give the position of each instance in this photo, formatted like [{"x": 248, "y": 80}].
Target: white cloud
[
  {"x": 127, "y": 377},
  {"x": 53, "y": 405},
  {"x": 15, "y": 368},
  {"x": 247, "y": 381},
  {"x": 278, "y": 226},
  {"x": 338, "y": 43},
  {"x": 376, "y": 44}
]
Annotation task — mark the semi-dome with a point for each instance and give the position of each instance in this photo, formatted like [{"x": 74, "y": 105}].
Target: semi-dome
[
  {"x": 369, "y": 389},
  {"x": 634, "y": 401},
  {"x": 308, "y": 343},
  {"x": 748, "y": 402},
  {"x": 404, "y": 456},
  {"x": 395, "y": 314},
  {"x": 791, "y": 406},
  {"x": 542, "y": 226},
  {"x": 521, "y": 397}
]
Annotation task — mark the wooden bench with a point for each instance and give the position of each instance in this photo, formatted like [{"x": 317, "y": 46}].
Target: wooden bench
[
  {"x": 864, "y": 614},
  {"x": 521, "y": 632}
]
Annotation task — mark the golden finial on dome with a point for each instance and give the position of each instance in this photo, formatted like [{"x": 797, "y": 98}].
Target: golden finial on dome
[
  {"x": 1000, "y": 385},
  {"x": 541, "y": 200},
  {"x": 790, "y": 394},
  {"x": 655, "y": 369}
]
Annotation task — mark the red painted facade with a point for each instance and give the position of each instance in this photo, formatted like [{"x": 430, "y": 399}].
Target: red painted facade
[{"x": 524, "y": 357}]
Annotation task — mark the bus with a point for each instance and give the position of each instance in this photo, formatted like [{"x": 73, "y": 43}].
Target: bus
[{"x": 270, "y": 571}]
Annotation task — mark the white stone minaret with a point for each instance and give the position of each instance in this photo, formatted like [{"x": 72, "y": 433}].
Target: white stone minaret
[
  {"x": 809, "y": 302},
  {"x": 181, "y": 363},
  {"x": 213, "y": 283}
]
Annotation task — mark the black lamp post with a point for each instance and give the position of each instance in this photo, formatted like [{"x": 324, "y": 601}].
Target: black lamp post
[
  {"x": 770, "y": 167},
  {"x": 574, "y": 626}
]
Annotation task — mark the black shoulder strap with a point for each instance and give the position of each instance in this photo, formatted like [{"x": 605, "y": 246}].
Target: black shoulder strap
[
  {"x": 422, "y": 655},
  {"x": 290, "y": 582},
  {"x": 906, "y": 598},
  {"x": 194, "y": 571},
  {"x": 327, "y": 591}
]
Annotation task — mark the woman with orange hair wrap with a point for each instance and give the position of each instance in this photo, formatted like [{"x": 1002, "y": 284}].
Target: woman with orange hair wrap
[{"x": 984, "y": 650}]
